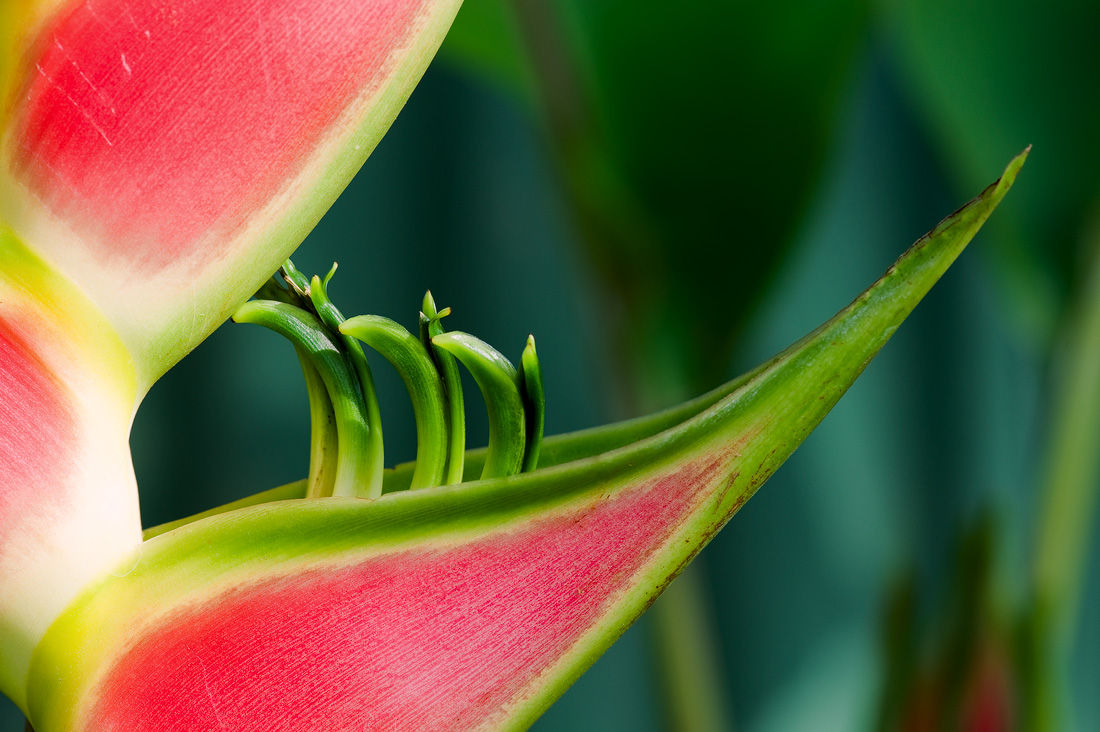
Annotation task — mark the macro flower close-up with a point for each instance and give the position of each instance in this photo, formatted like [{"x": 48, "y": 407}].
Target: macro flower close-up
[{"x": 160, "y": 162}]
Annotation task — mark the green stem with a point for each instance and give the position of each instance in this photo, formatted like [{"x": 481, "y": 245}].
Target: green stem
[
  {"x": 685, "y": 636},
  {"x": 687, "y": 641},
  {"x": 534, "y": 404},
  {"x": 430, "y": 326},
  {"x": 332, "y": 317},
  {"x": 324, "y": 445}
]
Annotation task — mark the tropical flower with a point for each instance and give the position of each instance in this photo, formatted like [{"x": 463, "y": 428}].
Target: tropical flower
[{"x": 159, "y": 159}]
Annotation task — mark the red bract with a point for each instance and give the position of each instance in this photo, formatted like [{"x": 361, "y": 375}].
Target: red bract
[
  {"x": 40, "y": 425},
  {"x": 168, "y": 155},
  {"x": 158, "y": 131},
  {"x": 160, "y": 159},
  {"x": 459, "y": 630},
  {"x": 68, "y": 504}
]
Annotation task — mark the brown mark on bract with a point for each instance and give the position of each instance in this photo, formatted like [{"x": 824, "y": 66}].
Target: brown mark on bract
[{"x": 728, "y": 487}]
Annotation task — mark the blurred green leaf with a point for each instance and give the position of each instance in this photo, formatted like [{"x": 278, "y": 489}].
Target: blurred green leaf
[
  {"x": 690, "y": 139},
  {"x": 719, "y": 115},
  {"x": 990, "y": 77},
  {"x": 986, "y": 78},
  {"x": 484, "y": 37}
]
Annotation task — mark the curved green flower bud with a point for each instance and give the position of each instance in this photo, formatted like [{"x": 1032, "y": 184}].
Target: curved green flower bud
[
  {"x": 354, "y": 467},
  {"x": 333, "y": 318},
  {"x": 430, "y": 326},
  {"x": 534, "y": 404},
  {"x": 408, "y": 355},
  {"x": 499, "y": 383}
]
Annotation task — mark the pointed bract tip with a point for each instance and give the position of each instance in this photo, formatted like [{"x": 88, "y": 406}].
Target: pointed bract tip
[
  {"x": 998, "y": 188},
  {"x": 1009, "y": 176}
]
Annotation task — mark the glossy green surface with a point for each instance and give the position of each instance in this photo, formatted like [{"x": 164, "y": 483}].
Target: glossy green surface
[
  {"x": 409, "y": 356},
  {"x": 430, "y": 326},
  {"x": 498, "y": 380},
  {"x": 354, "y": 465},
  {"x": 534, "y": 404}
]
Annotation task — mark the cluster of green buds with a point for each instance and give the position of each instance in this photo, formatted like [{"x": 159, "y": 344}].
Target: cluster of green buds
[{"x": 347, "y": 455}]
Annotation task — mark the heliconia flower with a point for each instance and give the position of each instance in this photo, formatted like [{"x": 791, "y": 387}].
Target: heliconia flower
[{"x": 159, "y": 159}]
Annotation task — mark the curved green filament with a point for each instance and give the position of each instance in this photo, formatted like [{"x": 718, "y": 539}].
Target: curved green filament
[
  {"x": 306, "y": 332},
  {"x": 417, "y": 370},
  {"x": 332, "y": 317},
  {"x": 497, "y": 379},
  {"x": 534, "y": 403},
  {"x": 447, "y": 366},
  {"x": 323, "y": 441}
]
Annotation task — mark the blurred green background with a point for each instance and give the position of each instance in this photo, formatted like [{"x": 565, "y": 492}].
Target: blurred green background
[{"x": 666, "y": 195}]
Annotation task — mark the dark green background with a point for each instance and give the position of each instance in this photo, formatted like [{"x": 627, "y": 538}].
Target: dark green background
[{"x": 462, "y": 197}]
